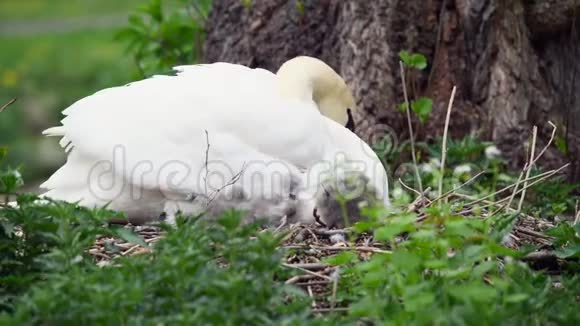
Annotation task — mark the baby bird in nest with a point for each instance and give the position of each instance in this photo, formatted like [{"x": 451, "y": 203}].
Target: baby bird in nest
[{"x": 339, "y": 202}]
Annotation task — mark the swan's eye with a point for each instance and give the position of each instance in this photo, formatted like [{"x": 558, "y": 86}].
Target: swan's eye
[{"x": 350, "y": 123}]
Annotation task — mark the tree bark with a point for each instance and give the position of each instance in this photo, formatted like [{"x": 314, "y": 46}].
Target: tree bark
[{"x": 516, "y": 63}]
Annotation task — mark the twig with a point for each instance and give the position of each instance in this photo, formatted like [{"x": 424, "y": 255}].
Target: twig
[
  {"x": 282, "y": 224},
  {"x": 419, "y": 193},
  {"x": 309, "y": 288},
  {"x": 529, "y": 168},
  {"x": 499, "y": 202},
  {"x": 517, "y": 184},
  {"x": 309, "y": 266},
  {"x": 410, "y": 126},
  {"x": 459, "y": 187},
  {"x": 326, "y": 310},
  {"x": 308, "y": 272},
  {"x": 332, "y": 232},
  {"x": 419, "y": 200},
  {"x": 299, "y": 278},
  {"x": 444, "y": 145},
  {"x": 533, "y": 233},
  {"x": 335, "y": 276},
  {"x": 527, "y": 186},
  {"x": 364, "y": 249},
  {"x": 554, "y": 129},
  {"x": 539, "y": 176},
  {"x": 7, "y": 104},
  {"x": 155, "y": 239},
  {"x": 313, "y": 283}
]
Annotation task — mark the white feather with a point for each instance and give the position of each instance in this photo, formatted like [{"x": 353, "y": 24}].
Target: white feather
[{"x": 159, "y": 140}]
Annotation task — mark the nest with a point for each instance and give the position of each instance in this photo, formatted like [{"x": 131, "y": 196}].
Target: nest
[{"x": 308, "y": 245}]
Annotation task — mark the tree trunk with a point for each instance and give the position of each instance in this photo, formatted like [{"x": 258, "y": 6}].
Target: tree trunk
[{"x": 515, "y": 63}]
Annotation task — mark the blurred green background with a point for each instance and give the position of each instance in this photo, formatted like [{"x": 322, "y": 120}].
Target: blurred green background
[{"x": 54, "y": 52}]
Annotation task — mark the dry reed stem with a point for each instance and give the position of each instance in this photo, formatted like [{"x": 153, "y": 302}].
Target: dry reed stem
[
  {"x": 410, "y": 126},
  {"x": 308, "y": 272},
  {"x": 7, "y": 104},
  {"x": 335, "y": 276},
  {"x": 529, "y": 168},
  {"x": 475, "y": 201},
  {"x": 444, "y": 145},
  {"x": 417, "y": 192},
  {"x": 452, "y": 191}
]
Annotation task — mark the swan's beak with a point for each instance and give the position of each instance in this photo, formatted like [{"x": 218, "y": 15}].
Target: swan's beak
[{"x": 350, "y": 123}]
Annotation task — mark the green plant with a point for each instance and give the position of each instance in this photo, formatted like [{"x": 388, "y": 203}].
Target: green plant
[
  {"x": 567, "y": 240},
  {"x": 160, "y": 36},
  {"x": 421, "y": 106},
  {"x": 452, "y": 267},
  {"x": 199, "y": 273}
]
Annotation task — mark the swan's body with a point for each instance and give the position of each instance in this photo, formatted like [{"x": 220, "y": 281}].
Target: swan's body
[{"x": 202, "y": 137}]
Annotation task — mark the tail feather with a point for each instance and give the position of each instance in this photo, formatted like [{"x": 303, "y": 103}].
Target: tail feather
[
  {"x": 59, "y": 132},
  {"x": 54, "y": 132}
]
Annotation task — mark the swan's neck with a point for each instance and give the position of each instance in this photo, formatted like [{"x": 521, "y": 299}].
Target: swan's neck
[{"x": 307, "y": 79}]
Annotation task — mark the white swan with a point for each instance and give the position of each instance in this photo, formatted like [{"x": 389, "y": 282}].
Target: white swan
[{"x": 213, "y": 134}]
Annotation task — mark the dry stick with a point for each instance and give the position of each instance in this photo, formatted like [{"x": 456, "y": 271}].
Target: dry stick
[
  {"x": 299, "y": 278},
  {"x": 309, "y": 266},
  {"x": 7, "y": 104},
  {"x": 550, "y": 174},
  {"x": 326, "y": 310},
  {"x": 457, "y": 188},
  {"x": 444, "y": 145},
  {"x": 332, "y": 232},
  {"x": 506, "y": 188},
  {"x": 419, "y": 193},
  {"x": 543, "y": 176},
  {"x": 363, "y": 249},
  {"x": 529, "y": 168},
  {"x": 335, "y": 276},
  {"x": 513, "y": 195},
  {"x": 309, "y": 288},
  {"x": 410, "y": 125},
  {"x": 308, "y": 272},
  {"x": 419, "y": 201}
]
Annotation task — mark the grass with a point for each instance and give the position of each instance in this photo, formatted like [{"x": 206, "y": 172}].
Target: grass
[
  {"x": 49, "y": 71},
  {"x": 11, "y": 10}
]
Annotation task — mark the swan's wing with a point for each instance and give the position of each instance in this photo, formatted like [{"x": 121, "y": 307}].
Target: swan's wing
[{"x": 156, "y": 131}]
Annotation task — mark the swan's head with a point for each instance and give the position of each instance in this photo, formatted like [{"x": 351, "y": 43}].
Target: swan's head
[{"x": 311, "y": 79}]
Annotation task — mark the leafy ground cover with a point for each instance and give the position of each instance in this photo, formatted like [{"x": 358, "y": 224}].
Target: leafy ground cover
[{"x": 426, "y": 260}]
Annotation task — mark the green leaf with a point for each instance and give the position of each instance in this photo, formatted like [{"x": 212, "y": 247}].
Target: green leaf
[
  {"x": 476, "y": 292},
  {"x": 568, "y": 252},
  {"x": 10, "y": 180},
  {"x": 129, "y": 236},
  {"x": 402, "y": 107},
  {"x": 418, "y": 61},
  {"x": 342, "y": 258},
  {"x": 422, "y": 107},
  {"x": 405, "y": 56},
  {"x": 516, "y": 298},
  {"x": 415, "y": 60}
]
